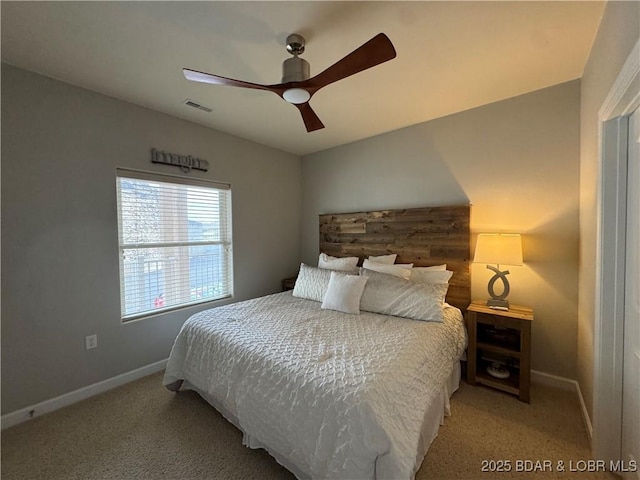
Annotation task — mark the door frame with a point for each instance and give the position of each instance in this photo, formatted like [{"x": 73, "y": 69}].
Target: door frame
[{"x": 622, "y": 100}]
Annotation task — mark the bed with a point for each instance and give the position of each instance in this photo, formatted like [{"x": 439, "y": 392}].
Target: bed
[{"x": 330, "y": 394}]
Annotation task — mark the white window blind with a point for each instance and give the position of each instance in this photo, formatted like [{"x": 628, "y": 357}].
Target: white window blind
[{"x": 175, "y": 242}]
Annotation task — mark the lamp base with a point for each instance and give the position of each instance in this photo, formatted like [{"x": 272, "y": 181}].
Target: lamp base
[{"x": 498, "y": 304}]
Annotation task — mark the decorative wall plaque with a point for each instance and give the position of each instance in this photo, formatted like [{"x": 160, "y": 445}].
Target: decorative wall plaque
[{"x": 185, "y": 162}]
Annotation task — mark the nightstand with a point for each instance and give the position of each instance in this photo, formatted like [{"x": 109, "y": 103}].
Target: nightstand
[
  {"x": 503, "y": 337},
  {"x": 288, "y": 283}
]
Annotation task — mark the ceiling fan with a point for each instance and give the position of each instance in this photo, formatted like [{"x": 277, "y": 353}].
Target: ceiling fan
[{"x": 296, "y": 87}]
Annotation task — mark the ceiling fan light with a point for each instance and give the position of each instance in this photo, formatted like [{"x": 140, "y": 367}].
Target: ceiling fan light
[{"x": 296, "y": 95}]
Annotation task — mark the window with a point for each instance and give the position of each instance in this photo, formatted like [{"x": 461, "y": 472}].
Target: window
[{"x": 175, "y": 242}]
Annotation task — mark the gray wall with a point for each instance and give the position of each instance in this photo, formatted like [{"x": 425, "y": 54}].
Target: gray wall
[
  {"x": 515, "y": 161},
  {"x": 60, "y": 148},
  {"x": 618, "y": 32}
]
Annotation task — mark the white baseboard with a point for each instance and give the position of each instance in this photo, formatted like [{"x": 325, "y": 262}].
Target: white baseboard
[
  {"x": 585, "y": 413},
  {"x": 553, "y": 380},
  {"x": 565, "y": 384},
  {"x": 24, "y": 414}
]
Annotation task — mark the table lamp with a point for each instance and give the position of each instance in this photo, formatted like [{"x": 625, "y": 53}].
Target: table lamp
[{"x": 499, "y": 249}]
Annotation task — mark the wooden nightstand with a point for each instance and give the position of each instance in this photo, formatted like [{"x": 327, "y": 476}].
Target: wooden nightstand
[
  {"x": 288, "y": 283},
  {"x": 500, "y": 336}
]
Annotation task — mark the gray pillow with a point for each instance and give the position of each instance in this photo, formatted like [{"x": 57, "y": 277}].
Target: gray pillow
[
  {"x": 312, "y": 282},
  {"x": 393, "y": 295}
]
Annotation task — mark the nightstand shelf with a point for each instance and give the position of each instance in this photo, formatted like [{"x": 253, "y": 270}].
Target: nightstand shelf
[
  {"x": 500, "y": 350},
  {"x": 509, "y": 385},
  {"x": 503, "y": 337}
]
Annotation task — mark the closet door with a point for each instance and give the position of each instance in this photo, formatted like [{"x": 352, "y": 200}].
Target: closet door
[{"x": 631, "y": 372}]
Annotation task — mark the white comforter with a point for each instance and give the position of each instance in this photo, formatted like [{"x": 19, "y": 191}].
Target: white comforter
[{"x": 336, "y": 395}]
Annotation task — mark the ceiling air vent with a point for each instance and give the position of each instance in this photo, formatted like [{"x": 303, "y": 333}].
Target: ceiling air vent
[{"x": 193, "y": 104}]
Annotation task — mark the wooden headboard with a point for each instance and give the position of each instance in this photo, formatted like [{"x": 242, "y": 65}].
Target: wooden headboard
[{"x": 422, "y": 236}]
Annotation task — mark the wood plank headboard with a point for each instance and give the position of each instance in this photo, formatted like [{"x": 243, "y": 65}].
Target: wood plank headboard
[{"x": 422, "y": 236}]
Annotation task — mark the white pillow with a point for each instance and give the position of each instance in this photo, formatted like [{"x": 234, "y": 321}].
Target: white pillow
[
  {"x": 430, "y": 276},
  {"x": 386, "y": 259},
  {"x": 345, "y": 264},
  {"x": 392, "y": 295},
  {"x": 402, "y": 270},
  {"x": 432, "y": 267},
  {"x": 344, "y": 292},
  {"x": 311, "y": 283}
]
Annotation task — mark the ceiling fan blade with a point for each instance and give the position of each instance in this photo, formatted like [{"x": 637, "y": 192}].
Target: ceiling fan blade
[
  {"x": 204, "y": 77},
  {"x": 311, "y": 120},
  {"x": 376, "y": 51}
]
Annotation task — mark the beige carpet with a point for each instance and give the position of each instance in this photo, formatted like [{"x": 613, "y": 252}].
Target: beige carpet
[{"x": 141, "y": 431}]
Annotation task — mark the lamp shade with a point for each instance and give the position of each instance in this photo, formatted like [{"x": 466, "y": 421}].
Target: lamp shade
[{"x": 499, "y": 248}]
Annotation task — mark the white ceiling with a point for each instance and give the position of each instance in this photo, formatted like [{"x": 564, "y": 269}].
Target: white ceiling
[{"x": 452, "y": 56}]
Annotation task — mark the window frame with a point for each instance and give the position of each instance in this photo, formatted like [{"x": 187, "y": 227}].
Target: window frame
[{"x": 227, "y": 244}]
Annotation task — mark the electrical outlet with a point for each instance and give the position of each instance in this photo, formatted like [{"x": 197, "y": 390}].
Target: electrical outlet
[{"x": 91, "y": 341}]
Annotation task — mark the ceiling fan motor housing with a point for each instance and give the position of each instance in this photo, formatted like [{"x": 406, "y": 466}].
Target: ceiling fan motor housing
[{"x": 295, "y": 69}]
